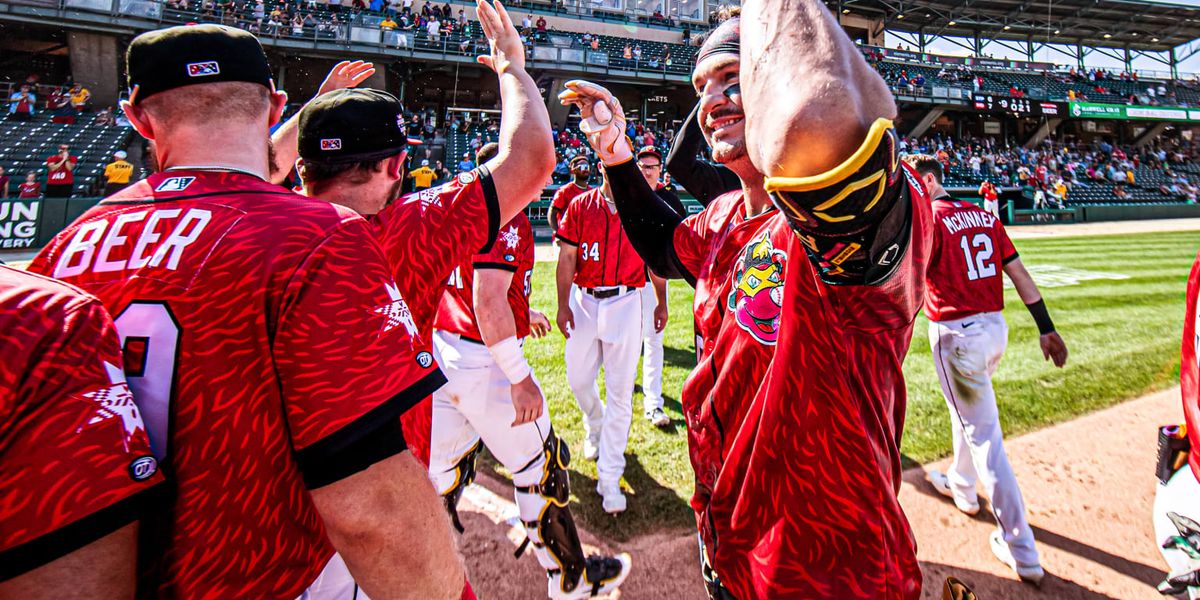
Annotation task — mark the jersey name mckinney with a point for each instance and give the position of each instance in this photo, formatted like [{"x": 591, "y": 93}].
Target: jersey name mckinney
[{"x": 964, "y": 220}]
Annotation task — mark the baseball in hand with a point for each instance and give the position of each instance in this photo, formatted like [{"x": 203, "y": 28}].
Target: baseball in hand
[{"x": 602, "y": 113}]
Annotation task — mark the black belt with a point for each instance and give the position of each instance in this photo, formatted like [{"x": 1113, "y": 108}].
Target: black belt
[{"x": 608, "y": 293}]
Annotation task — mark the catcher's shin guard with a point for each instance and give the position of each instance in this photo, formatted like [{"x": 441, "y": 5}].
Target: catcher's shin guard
[
  {"x": 464, "y": 475},
  {"x": 548, "y": 523}
]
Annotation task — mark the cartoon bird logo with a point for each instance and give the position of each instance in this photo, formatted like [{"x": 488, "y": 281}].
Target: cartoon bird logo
[{"x": 757, "y": 295}]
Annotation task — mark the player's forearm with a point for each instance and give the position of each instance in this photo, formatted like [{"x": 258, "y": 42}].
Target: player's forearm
[
  {"x": 805, "y": 87},
  {"x": 703, "y": 180},
  {"x": 648, "y": 220},
  {"x": 552, "y": 219},
  {"x": 493, "y": 314},
  {"x": 1027, "y": 289},
  {"x": 104, "y": 570},
  {"x": 524, "y": 163},
  {"x": 565, "y": 274},
  {"x": 388, "y": 524},
  {"x": 660, "y": 289}
]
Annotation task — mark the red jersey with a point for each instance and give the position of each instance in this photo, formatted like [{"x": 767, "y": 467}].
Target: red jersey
[
  {"x": 606, "y": 258},
  {"x": 425, "y": 235},
  {"x": 970, "y": 249},
  {"x": 74, "y": 455},
  {"x": 261, "y": 331},
  {"x": 1189, "y": 371},
  {"x": 563, "y": 197},
  {"x": 29, "y": 190},
  {"x": 61, "y": 175},
  {"x": 988, "y": 191},
  {"x": 796, "y": 407},
  {"x": 512, "y": 252}
]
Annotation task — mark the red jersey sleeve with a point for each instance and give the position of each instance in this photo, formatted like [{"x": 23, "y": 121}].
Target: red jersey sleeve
[
  {"x": 1008, "y": 252},
  {"x": 560, "y": 200},
  {"x": 344, "y": 350},
  {"x": 692, "y": 241},
  {"x": 505, "y": 254},
  {"x": 427, "y": 234},
  {"x": 568, "y": 228},
  {"x": 75, "y": 460}
]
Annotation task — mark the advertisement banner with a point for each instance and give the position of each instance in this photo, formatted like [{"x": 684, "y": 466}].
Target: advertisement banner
[
  {"x": 903, "y": 55},
  {"x": 19, "y": 224},
  {"x": 1017, "y": 106},
  {"x": 1091, "y": 110},
  {"x": 991, "y": 63}
]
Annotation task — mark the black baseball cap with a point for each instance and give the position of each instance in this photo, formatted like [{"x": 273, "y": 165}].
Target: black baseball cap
[
  {"x": 352, "y": 125},
  {"x": 650, "y": 151},
  {"x": 175, "y": 57}
]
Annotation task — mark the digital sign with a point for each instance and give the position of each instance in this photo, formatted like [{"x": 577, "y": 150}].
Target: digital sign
[{"x": 1017, "y": 106}]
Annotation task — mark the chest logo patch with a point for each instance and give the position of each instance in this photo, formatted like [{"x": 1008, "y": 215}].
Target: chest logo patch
[{"x": 756, "y": 298}]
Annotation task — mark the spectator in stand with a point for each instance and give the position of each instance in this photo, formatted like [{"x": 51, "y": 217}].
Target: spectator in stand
[
  {"x": 22, "y": 104},
  {"x": 81, "y": 100},
  {"x": 387, "y": 24},
  {"x": 466, "y": 164},
  {"x": 596, "y": 43},
  {"x": 60, "y": 173},
  {"x": 627, "y": 53},
  {"x": 541, "y": 28},
  {"x": 59, "y": 104},
  {"x": 1119, "y": 192},
  {"x": 443, "y": 174},
  {"x": 31, "y": 188},
  {"x": 637, "y": 53},
  {"x": 433, "y": 29},
  {"x": 117, "y": 174},
  {"x": 4, "y": 181},
  {"x": 527, "y": 24}
]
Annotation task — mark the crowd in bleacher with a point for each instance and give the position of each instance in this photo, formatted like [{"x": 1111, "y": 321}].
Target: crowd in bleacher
[{"x": 1070, "y": 170}]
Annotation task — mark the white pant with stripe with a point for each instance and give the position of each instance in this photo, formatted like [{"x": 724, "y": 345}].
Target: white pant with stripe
[
  {"x": 966, "y": 353},
  {"x": 652, "y": 353},
  {"x": 607, "y": 333}
]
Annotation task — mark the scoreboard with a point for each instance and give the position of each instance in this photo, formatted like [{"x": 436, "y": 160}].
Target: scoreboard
[{"x": 1021, "y": 107}]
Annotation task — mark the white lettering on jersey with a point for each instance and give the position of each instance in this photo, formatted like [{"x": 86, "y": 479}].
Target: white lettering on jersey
[
  {"x": 958, "y": 221},
  {"x": 79, "y": 254}
]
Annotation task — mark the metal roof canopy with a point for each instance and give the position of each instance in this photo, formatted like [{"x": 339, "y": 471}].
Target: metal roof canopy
[{"x": 1121, "y": 29}]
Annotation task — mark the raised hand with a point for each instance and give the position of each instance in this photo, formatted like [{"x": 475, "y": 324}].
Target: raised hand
[
  {"x": 602, "y": 120},
  {"x": 507, "y": 51},
  {"x": 346, "y": 74}
]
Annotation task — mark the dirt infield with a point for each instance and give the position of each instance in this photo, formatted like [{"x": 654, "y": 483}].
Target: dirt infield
[{"x": 1088, "y": 484}]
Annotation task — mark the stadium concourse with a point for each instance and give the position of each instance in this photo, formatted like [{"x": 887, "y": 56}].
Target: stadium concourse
[{"x": 1095, "y": 169}]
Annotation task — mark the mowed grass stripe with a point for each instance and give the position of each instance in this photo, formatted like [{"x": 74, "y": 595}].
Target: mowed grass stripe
[{"x": 1124, "y": 338}]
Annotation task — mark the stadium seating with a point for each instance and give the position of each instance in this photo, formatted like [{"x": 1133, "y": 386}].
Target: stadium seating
[{"x": 25, "y": 146}]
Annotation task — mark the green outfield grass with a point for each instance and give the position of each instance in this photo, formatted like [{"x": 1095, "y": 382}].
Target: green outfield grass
[{"x": 1123, "y": 336}]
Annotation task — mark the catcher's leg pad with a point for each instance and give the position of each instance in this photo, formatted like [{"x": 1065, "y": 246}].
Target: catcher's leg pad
[
  {"x": 549, "y": 526},
  {"x": 464, "y": 475}
]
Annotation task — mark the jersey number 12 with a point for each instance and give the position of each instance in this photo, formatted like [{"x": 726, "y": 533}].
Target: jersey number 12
[{"x": 977, "y": 253}]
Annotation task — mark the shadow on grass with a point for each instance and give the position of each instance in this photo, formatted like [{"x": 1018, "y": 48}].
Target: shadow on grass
[
  {"x": 651, "y": 506},
  {"x": 684, "y": 358}
]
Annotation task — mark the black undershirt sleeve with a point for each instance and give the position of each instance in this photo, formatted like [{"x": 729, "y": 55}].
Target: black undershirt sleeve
[
  {"x": 700, "y": 178},
  {"x": 649, "y": 221}
]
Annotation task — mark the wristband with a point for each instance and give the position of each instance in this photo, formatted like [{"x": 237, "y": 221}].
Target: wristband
[
  {"x": 509, "y": 357},
  {"x": 1041, "y": 317}
]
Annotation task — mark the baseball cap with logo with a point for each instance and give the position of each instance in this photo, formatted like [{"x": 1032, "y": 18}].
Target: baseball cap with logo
[
  {"x": 649, "y": 151},
  {"x": 581, "y": 162},
  {"x": 175, "y": 57},
  {"x": 352, "y": 125}
]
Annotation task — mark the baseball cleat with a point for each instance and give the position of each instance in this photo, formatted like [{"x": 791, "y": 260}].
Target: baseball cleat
[
  {"x": 591, "y": 450},
  {"x": 601, "y": 575},
  {"x": 614, "y": 499},
  {"x": 658, "y": 418},
  {"x": 1027, "y": 573},
  {"x": 941, "y": 483}
]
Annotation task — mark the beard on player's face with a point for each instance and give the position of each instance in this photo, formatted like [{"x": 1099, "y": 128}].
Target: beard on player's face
[{"x": 724, "y": 130}]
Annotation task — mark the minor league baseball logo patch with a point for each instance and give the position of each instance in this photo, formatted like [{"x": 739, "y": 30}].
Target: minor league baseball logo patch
[
  {"x": 203, "y": 69},
  {"x": 424, "y": 359},
  {"x": 143, "y": 468},
  {"x": 331, "y": 144},
  {"x": 466, "y": 178},
  {"x": 174, "y": 184}
]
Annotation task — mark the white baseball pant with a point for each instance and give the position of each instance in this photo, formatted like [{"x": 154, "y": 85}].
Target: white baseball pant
[
  {"x": 334, "y": 583},
  {"x": 652, "y": 353},
  {"x": 607, "y": 333},
  {"x": 1180, "y": 495},
  {"x": 966, "y": 353},
  {"x": 992, "y": 206}
]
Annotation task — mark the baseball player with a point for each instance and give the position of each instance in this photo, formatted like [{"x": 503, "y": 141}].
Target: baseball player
[
  {"x": 226, "y": 289},
  {"x": 581, "y": 170},
  {"x": 493, "y": 397},
  {"x": 702, "y": 179},
  {"x": 425, "y": 235},
  {"x": 74, "y": 455},
  {"x": 963, "y": 299},
  {"x": 991, "y": 198},
  {"x": 1176, "y": 510},
  {"x": 654, "y": 301},
  {"x": 599, "y": 278},
  {"x": 804, "y": 311}
]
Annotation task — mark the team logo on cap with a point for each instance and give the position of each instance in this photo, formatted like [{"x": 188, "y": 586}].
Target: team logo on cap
[
  {"x": 331, "y": 144},
  {"x": 203, "y": 69}
]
